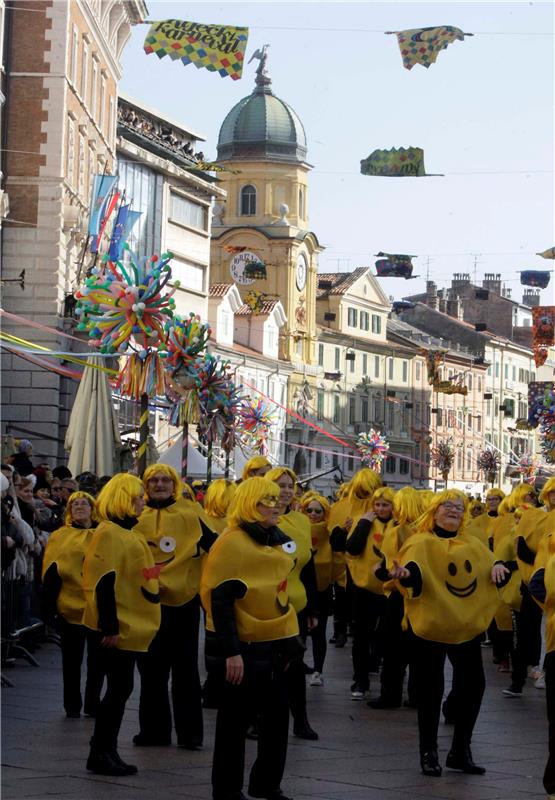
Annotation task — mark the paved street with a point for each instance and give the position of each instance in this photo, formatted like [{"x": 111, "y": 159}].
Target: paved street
[{"x": 361, "y": 755}]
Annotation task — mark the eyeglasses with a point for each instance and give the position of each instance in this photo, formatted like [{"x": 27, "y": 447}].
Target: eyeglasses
[
  {"x": 160, "y": 480},
  {"x": 314, "y": 511},
  {"x": 453, "y": 507},
  {"x": 269, "y": 500}
]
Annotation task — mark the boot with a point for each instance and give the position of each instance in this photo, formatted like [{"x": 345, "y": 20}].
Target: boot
[
  {"x": 131, "y": 768},
  {"x": 107, "y": 762},
  {"x": 302, "y": 730},
  {"x": 462, "y": 760},
  {"x": 429, "y": 763}
]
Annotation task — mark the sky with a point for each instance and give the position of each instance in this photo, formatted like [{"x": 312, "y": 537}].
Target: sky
[{"x": 483, "y": 114}]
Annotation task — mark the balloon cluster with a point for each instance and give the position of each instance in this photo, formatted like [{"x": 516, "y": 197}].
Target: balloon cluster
[
  {"x": 373, "y": 448},
  {"x": 527, "y": 466},
  {"x": 489, "y": 461},
  {"x": 254, "y": 420},
  {"x": 185, "y": 339},
  {"x": 125, "y": 305},
  {"x": 443, "y": 456}
]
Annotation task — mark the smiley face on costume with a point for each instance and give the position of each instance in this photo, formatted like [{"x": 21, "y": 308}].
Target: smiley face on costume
[
  {"x": 463, "y": 572},
  {"x": 282, "y": 596},
  {"x": 161, "y": 550}
]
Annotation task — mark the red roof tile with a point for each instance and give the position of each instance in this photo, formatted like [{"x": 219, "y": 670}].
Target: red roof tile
[
  {"x": 340, "y": 281},
  {"x": 219, "y": 289},
  {"x": 266, "y": 307}
]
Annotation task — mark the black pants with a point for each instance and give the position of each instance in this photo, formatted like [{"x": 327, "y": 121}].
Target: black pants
[
  {"x": 528, "y": 645},
  {"x": 318, "y": 634},
  {"x": 549, "y": 774},
  {"x": 369, "y": 620},
  {"x": 427, "y": 664},
  {"x": 72, "y": 642},
  {"x": 173, "y": 650},
  {"x": 342, "y": 609},
  {"x": 261, "y": 695},
  {"x": 395, "y": 650},
  {"x": 296, "y": 678},
  {"x": 119, "y": 668}
]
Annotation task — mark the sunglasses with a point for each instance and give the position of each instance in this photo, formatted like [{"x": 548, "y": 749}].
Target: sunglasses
[
  {"x": 453, "y": 507},
  {"x": 269, "y": 500}
]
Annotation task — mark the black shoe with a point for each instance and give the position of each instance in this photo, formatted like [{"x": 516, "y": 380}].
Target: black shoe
[
  {"x": 430, "y": 764},
  {"x": 307, "y": 670},
  {"x": 189, "y": 744},
  {"x": 73, "y": 714},
  {"x": 340, "y": 640},
  {"x": 275, "y": 794},
  {"x": 449, "y": 719},
  {"x": 333, "y": 639},
  {"x": 104, "y": 764},
  {"x": 304, "y": 731},
  {"x": 410, "y": 703},
  {"x": 146, "y": 741},
  {"x": 463, "y": 761},
  {"x": 131, "y": 768},
  {"x": 384, "y": 702}
]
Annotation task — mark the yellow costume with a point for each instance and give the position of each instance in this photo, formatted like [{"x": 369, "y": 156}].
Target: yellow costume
[
  {"x": 66, "y": 548},
  {"x": 297, "y": 527},
  {"x": 532, "y": 527},
  {"x": 361, "y": 567}
]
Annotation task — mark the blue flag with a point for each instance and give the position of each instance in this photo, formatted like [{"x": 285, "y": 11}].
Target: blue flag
[
  {"x": 102, "y": 188},
  {"x": 125, "y": 221}
]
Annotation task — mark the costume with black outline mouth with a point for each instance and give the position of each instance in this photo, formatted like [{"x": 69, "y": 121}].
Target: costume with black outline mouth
[
  {"x": 465, "y": 591},
  {"x": 65, "y": 552},
  {"x": 297, "y": 527}
]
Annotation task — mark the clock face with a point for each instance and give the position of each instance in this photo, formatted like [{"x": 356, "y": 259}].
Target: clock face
[
  {"x": 237, "y": 267},
  {"x": 301, "y": 272}
]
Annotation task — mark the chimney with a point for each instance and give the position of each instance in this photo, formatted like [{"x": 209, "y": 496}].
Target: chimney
[
  {"x": 442, "y": 305},
  {"x": 459, "y": 281},
  {"x": 531, "y": 298},
  {"x": 492, "y": 282},
  {"x": 432, "y": 300},
  {"x": 455, "y": 309}
]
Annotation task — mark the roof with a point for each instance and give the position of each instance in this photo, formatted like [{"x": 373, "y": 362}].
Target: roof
[
  {"x": 219, "y": 289},
  {"x": 341, "y": 282},
  {"x": 266, "y": 307},
  {"x": 159, "y": 115}
]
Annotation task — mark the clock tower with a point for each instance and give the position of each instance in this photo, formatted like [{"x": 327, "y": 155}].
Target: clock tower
[{"x": 260, "y": 236}]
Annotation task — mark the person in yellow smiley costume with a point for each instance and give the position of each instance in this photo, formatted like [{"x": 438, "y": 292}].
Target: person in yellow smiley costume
[
  {"x": 251, "y": 640},
  {"x": 178, "y": 537},
  {"x": 450, "y": 599},
  {"x": 122, "y": 603}
]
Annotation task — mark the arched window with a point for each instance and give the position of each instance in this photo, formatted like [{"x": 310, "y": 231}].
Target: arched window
[
  {"x": 248, "y": 201},
  {"x": 302, "y": 214}
]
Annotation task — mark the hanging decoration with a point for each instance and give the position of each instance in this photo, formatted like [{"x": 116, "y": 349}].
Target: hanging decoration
[
  {"x": 103, "y": 189},
  {"x": 527, "y": 468},
  {"x": 372, "y": 447},
  {"x": 423, "y": 45},
  {"x": 433, "y": 359},
  {"x": 547, "y": 434},
  {"x": 549, "y": 253},
  {"x": 213, "y": 166},
  {"x": 234, "y": 249},
  {"x": 443, "y": 456},
  {"x": 255, "y": 270},
  {"x": 448, "y": 387},
  {"x": 541, "y": 401},
  {"x": 394, "y": 265},
  {"x": 123, "y": 225},
  {"x": 142, "y": 373},
  {"x": 489, "y": 462},
  {"x": 254, "y": 421},
  {"x": 534, "y": 277},
  {"x": 186, "y": 338},
  {"x": 217, "y": 48},
  {"x": 256, "y": 301},
  {"x": 543, "y": 332},
  {"x": 395, "y": 163}
]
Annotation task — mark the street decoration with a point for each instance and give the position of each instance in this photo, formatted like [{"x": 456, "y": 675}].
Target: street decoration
[
  {"x": 255, "y": 418},
  {"x": 541, "y": 401},
  {"x": 549, "y": 253},
  {"x": 104, "y": 197},
  {"x": 423, "y": 45},
  {"x": 448, "y": 387},
  {"x": 433, "y": 359},
  {"x": 489, "y": 462},
  {"x": 535, "y": 277},
  {"x": 543, "y": 332},
  {"x": 123, "y": 225},
  {"x": 217, "y": 48},
  {"x": 255, "y": 270},
  {"x": 256, "y": 301},
  {"x": 372, "y": 447},
  {"x": 442, "y": 457},
  {"x": 395, "y": 163},
  {"x": 527, "y": 468},
  {"x": 393, "y": 265},
  {"x": 213, "y": 166}
]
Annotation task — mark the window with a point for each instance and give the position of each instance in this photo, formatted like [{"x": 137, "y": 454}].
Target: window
[
  {"x": 70, "y": 155},
  {"x": 352, "y": 364},
  {"x": 74, "y": 55},
  {"x": 248, "y": 201},
  {"x": 391, "y": 416},
  {"x": 378, "y": 409},
  {"x": 94, "y": 83},
  {"x": 497, "y": 370},
  {"x": 350, "y": 464},
  {"x": 469, "y": 459},
  {"x": 417, "y": 371},
  {"x": 376, "y": 323},
  {"x": 376, "y": 366},
  {"x": 506, "y": 371},
  {"x": 85, "y": 72},
  {"x": 479, "y": 383},
  {"x": 405, "y": 418},
  {"x": 496, "y": 406},
  {"x": 320, "y": 404},
  {"x": 102, "y": 109},
  {"x": 352, "y": 410},
  {"x": 321, "y": 355},
  {"x": 364, "y": 410},
  {"x": 302, "y": 213},
  {"x": 390, "y": 464},
  {"x": 318, "y": 460},
  {"x": 469, "y": 380},
  {"x": 81, "y": 179},
  {"x": 192, "y": 276},
  {"x": 337, "y": 359},
  {"x": 479, "y": 424},
  {"x": 459, "y": 459},
  {"x": 469, "y": 422},
  {"x": 185, "y": 212},
  {"x": 403, "y": 466},
  {"x": 364, "y": 365},
  {"x": 364, "y": 321},
  {"x": 336, "y": 408},
  {"x": 439, "y": 417},
  {"x": 111, "y": 123},
  {"x": 514, "y": 373},
  {"x": 418, "y": 414},
  {"x": 405, "y": 371},
  {"x": 352, "y": 316},
  {"x": 390, "y": 369}
]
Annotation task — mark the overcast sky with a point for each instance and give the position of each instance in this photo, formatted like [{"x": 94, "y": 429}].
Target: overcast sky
[{"x": 483, "y": 113}]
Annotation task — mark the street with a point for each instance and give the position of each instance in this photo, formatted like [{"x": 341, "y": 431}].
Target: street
[{"x": 362, "y": 754}]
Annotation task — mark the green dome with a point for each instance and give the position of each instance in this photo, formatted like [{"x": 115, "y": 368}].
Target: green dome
[{"x": 261, "y": 126}]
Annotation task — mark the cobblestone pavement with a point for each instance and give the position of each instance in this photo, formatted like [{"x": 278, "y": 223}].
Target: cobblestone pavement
[{"x": 362, "y": 754}]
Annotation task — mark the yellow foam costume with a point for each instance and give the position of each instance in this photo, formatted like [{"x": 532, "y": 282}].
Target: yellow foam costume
[
  {"x": 66, "y": 548},
  {"x": 361, "y": 567},
  {"x": 297, "y": 527}
]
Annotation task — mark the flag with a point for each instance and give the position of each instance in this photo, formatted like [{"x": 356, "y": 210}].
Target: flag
[
  {"x": 112, "y": 203},
  {"x": 218, "y": 48},
  {"x": 543, "y": 326},
  {"x": 103, "y": 185},
  {"x": 533, "y": 277},
  {"x": 234, "y": 249},
  {"x": 423, "y": 45},
  {"x": 394, "y": 266},
  {"x": 550, "y": 253},
  {"x": 213, "y": 166},
  {"x": 123, "y": 226},
  {"x": 395, "y": 163}
]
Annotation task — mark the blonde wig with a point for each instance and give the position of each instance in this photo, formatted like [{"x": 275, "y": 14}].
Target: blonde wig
[
  {"x": 243, "y": 506},
  {"x": 117, "y": 498}
]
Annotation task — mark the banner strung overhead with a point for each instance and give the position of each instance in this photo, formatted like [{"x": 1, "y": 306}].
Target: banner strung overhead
[
  {"x": 541, "y": 399},
  {"x": 550, "y": 253},
  {"x": 218, "y": 48},
  {"x": 394, "y": 266},
  {"x": 533, "y": 277},
  {"x": 543, "y": 332},
  {"x": 395, "y": 163},
  {"x": 423, "y": 45}
]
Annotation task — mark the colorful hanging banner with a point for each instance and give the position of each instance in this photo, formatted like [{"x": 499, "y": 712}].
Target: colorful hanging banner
[
  {"x": 549, "y": 253},
  {"x": 533, "y": 277},
  {"x": 423, "y": 45},
  {"x": 213, "y": 166},
  {"x": 218, "y": 48},
  {"x": 543, "y": 332},
  {"x": 541, "y": 399},
  {"x": 398, "y": 162},
  {"x": 394, "y": 266},
  {"x": 123, "y": 226},
  {"x": 103, "y": 186}
]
